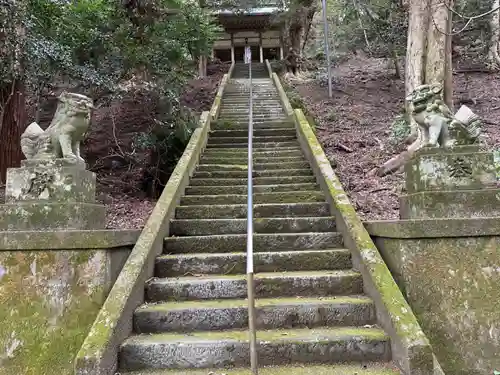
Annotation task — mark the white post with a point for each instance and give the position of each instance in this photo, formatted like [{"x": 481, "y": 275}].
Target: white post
[
  {"x": 327, "y": 49},
  {"x": 232, "y": 53},
  {"x": 281, "y": 52},
  {"x": 261, "y": 54}
]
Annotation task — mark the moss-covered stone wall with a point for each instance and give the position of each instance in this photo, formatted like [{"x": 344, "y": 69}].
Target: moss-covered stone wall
[
  {"x": 50, "y": 298},
  {"x": 452, "y": 283}
]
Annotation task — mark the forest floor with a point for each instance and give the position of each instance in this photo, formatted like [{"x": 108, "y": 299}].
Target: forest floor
[
  {"x": 111, "y": 151},
  {"x": 354, "y": 126}
]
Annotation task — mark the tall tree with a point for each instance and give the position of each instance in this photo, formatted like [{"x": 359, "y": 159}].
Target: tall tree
[{"x": 428, "y": 61}]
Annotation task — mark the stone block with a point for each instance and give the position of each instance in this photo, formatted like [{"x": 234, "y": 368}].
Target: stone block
[
  {"x": 450, "y": 204},
  {"x": 55, "y": 183},
  {"x": 460, "y": 168},
  {"x": 50, "y": 215}
]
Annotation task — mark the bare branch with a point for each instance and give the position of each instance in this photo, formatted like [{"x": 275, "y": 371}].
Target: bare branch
[{"x": 468, "y": 18}]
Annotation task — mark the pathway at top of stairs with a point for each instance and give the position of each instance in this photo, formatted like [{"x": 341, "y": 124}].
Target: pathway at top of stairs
[{"x": 311, "y": 309}]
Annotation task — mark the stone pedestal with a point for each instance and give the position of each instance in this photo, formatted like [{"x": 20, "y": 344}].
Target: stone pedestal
[
  {"x": 50, "y": 194},
  {"x": 450, "y": 183}
]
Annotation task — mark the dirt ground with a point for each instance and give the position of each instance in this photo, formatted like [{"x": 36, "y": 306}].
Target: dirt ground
[
  {"x": 110, "y": 150},
  {"x": 354, "y": 126}
]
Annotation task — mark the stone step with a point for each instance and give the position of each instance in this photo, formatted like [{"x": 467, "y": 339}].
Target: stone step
[
  {"x": 270, "y": 314},
  {"x": 280, "y": 197},
  {"x": 239, "y": 211},
  {"x": 256, "y": 133},
  {"x": 204, "y": 227},
  {"x": 258, "y": 111},
  {"x": 256, "y": 173},
  {"x": 256, "y": 139},
  {"x": 261, "y": 99},
  {"x": 241, "y": 116},
  {"x": 222, "y": 156},
  {"x": 242, "y": 189},
  {"x": 272, "y": 145},
  {"x": 275, "y": 347},
  {"x": 256, "y": 181},
  {"x": 256, "y": 166},
  {"x": 264, "y": 155},
  {"x": 365, "y": 368},
  {"x": 274, "y": 284},
  {"x": 226, "y": 243},
  {"x": 243, "y": 125},
  {"x": 267, "y": 106},
  {"x": 235, "y": 263}
]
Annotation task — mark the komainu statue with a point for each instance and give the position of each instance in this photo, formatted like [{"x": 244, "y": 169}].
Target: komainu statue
[
  {"x": 63, "y": 136},
  {"x": 437, "y": 123}
]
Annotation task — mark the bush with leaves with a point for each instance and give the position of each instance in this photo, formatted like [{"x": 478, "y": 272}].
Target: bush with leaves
[{"x": 108, "y": 46}]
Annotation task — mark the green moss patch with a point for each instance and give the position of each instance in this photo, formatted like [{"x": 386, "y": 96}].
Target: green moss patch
[{"x": 48, "y": 301}]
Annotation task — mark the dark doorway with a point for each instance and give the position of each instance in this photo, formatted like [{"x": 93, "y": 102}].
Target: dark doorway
[
  {"x": 223, "y": 55},
  {"x": 271, "y": 53},
  {"x": 239, "y": 53}
]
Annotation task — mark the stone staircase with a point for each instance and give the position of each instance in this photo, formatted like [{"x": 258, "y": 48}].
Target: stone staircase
[
  {"x": 312, "y": 316},
  {"x": 259, "y": 70}
]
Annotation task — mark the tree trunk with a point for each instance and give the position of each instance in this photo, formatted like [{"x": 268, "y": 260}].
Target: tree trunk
[
  {"x": 428, "y": 60},
  {"x": 418, "y": 26},
  {"x": 448, "y": 75},
  {"x": 494, "y": 47},
  {"x": 12, "y": 124}
]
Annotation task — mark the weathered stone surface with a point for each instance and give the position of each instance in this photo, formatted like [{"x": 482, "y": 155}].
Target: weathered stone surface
[
  {"x": 261, "y": 242},
  {"x": 366, "y": 368},
  {"x": 279, "y": 197},
  {"x": 63, "y": 136},
  {"x": 48, "y": 301},
  {"x": 450, "y": 204},
  {"x": 256, "y": 181},
  {"x": 201, "y": 227},
  {"x": 244, "y": 144},
  {"x": 303, "y": 164},
  {"x": 434, "y": 169},
  {"x": 257, "y": 139},
  {"x": 256, "y": 173},
  {"x": 63, "y": 239},
  {"x": 434, "y": 228},
  {"x": 452, "y": 285},
  {"x": 50, "y": 183},
  {"x": 271, "y": 314},
  {"x": 242, "y": 189},
  {"x": 258, "y": 133},
  {"x": 46, "y": 216},
  {"x": 235, "y": 263},
  {"x": 242, "y": 159},
  {"x": 221, "y": 349},
  {"x": 278, "y": 284},
  {"x": 239, "y": 211}
]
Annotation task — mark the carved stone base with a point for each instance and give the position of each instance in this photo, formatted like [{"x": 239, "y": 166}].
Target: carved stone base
[
  {"x": 459, "y": 168},
  {"x": 450, "y": 183},
  {"x": 52, "y": 181},
  {"x": 450, "y": 204},
  {"x": 49, "y": 216}
]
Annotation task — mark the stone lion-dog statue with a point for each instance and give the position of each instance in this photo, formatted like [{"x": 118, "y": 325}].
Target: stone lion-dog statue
[
  {"x": 63, "y": 136},
  {"x": 437, "y": 123}
]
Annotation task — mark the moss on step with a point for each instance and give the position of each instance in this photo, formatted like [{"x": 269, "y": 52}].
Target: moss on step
[
  {"x": 318, "y": 335},
  {"x": 260, "y": 302},
  {"x": 354, "y": 369}
]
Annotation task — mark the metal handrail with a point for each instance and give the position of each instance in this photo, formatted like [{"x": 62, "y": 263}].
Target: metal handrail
[{"x": 250, "y": 268}]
